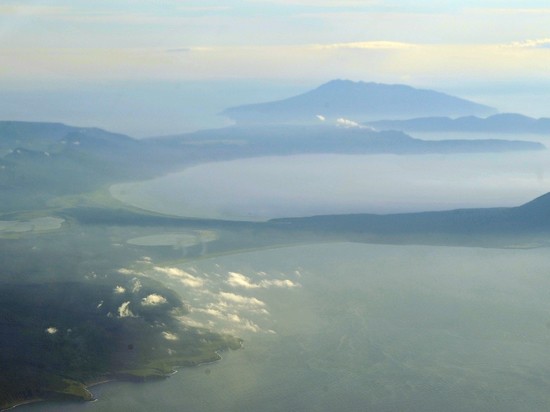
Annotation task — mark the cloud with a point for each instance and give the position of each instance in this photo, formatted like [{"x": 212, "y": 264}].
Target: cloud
[
  {"x": 185, "y": 278},
  {"x": 245, "y": 324},
  {"x": 368, "y": 45},
  {"x": 321, "y": 118},
  {"x": 284, "y": 283},
  {"x": 532, "y": 44},
  {"x": 51, "y": 330},
  {"x": 241, "y": 300},
  {"x": 153, "y": 299},
  {"x": 210, "y": 310},
  {"x": 136, "y": 285},
  {"x": 126, "y": 271},
  {"x": 187, "y": 321},
  {"x": 346, "y": 122},
  {"x": 119, "y": 290},
  {"x": 170, "y": 336},
  {"x": 239, "y": 280},
  {"x": 145, "y": 260},
  {"x": 124, "y": 311}
]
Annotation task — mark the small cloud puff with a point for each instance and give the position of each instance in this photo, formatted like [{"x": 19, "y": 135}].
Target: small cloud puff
[
  {"x": 238, "y": 280},
  {"x": 119, "y": 290},
  {"x": 169, "y": 336},
  {"x": 153, "y": 300},
  {"x": 125, "y": 271},
  {"x": 321, "y": 117},
  {"x": 136, "y": 285},
  {"x": 124, "y": 311},
  {"x": 51, "y": 330},
  {"x": 346, "y": 122}
]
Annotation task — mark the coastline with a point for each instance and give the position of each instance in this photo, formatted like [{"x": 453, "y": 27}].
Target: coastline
[{"x": 120, "y": 378}]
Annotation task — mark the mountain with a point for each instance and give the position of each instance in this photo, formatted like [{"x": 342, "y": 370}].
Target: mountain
[
  {"x": 356, "y": 101},
  {"x": 499, "y": 123}
]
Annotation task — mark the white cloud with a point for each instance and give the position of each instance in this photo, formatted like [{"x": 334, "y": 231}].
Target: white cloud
[
  {"x": 245, "y": 324},
  {"x": 212, "y": 311},
  {"x": 126, "y": 271},
  {"x": 124, "y": 311},
  {"x": 532, "y": 43},
  {"x": 51, "y": 330},
  {"x": 241, "y": 300},
  {"x": 186, "y": 278},
  {"x": 153, "y": 299},
  {"x": 321, "y": 118},
  {"x": 239, "y": 280},
  {"x": 119, "y": 290},
  {"x": 187, "y": 321},
  {"x": 170, "y": 336},
  {"x": 346, "y": 122},
  {"x": 372, "y": 45},
  {"x": 280, "y": 283},
  {"x": 136, "y": 285}
]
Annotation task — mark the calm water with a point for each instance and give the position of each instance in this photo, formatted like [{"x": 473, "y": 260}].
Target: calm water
[
  {"x": 304, "y": 185},
  {"x": 361, "y": 328}
]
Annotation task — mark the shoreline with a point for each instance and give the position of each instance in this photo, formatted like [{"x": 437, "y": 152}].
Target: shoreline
[{"x": 106, "y": 380}]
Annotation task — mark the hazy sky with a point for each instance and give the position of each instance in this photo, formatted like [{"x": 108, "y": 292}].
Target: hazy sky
[
  {"x": 151, "y": 67},
  {"x": 406, "y": 41}
]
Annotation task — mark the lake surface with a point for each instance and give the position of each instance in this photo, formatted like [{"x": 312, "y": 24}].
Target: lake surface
[
  {"x": 359, "y": 327},
  {"x": 305, "y": 185}
]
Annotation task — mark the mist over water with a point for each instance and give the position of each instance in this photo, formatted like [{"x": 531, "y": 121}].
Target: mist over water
[{"x": 305, "y": 185}]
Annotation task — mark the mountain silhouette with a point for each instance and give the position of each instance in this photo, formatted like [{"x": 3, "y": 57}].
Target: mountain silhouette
[{"x": 358, "y": 101}]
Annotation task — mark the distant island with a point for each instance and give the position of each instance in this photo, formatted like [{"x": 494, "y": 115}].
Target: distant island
[
  {"x": 498, "y": 123},
  {"x": 292, "y": 139},
  {"x": 357, "y": 101}
]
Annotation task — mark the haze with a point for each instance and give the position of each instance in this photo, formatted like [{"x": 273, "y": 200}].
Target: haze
[
  {"x": 145, "y": 68},
  {"x": 161, "y": 202}
]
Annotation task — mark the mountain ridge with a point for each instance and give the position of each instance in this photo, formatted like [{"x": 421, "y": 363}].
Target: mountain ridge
[
  {"x": 498, "y": 123},
  {"x": 357, "y": 101}
]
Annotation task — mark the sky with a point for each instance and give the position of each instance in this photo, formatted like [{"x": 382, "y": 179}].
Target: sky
[{"x": 469, "y": 48}]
